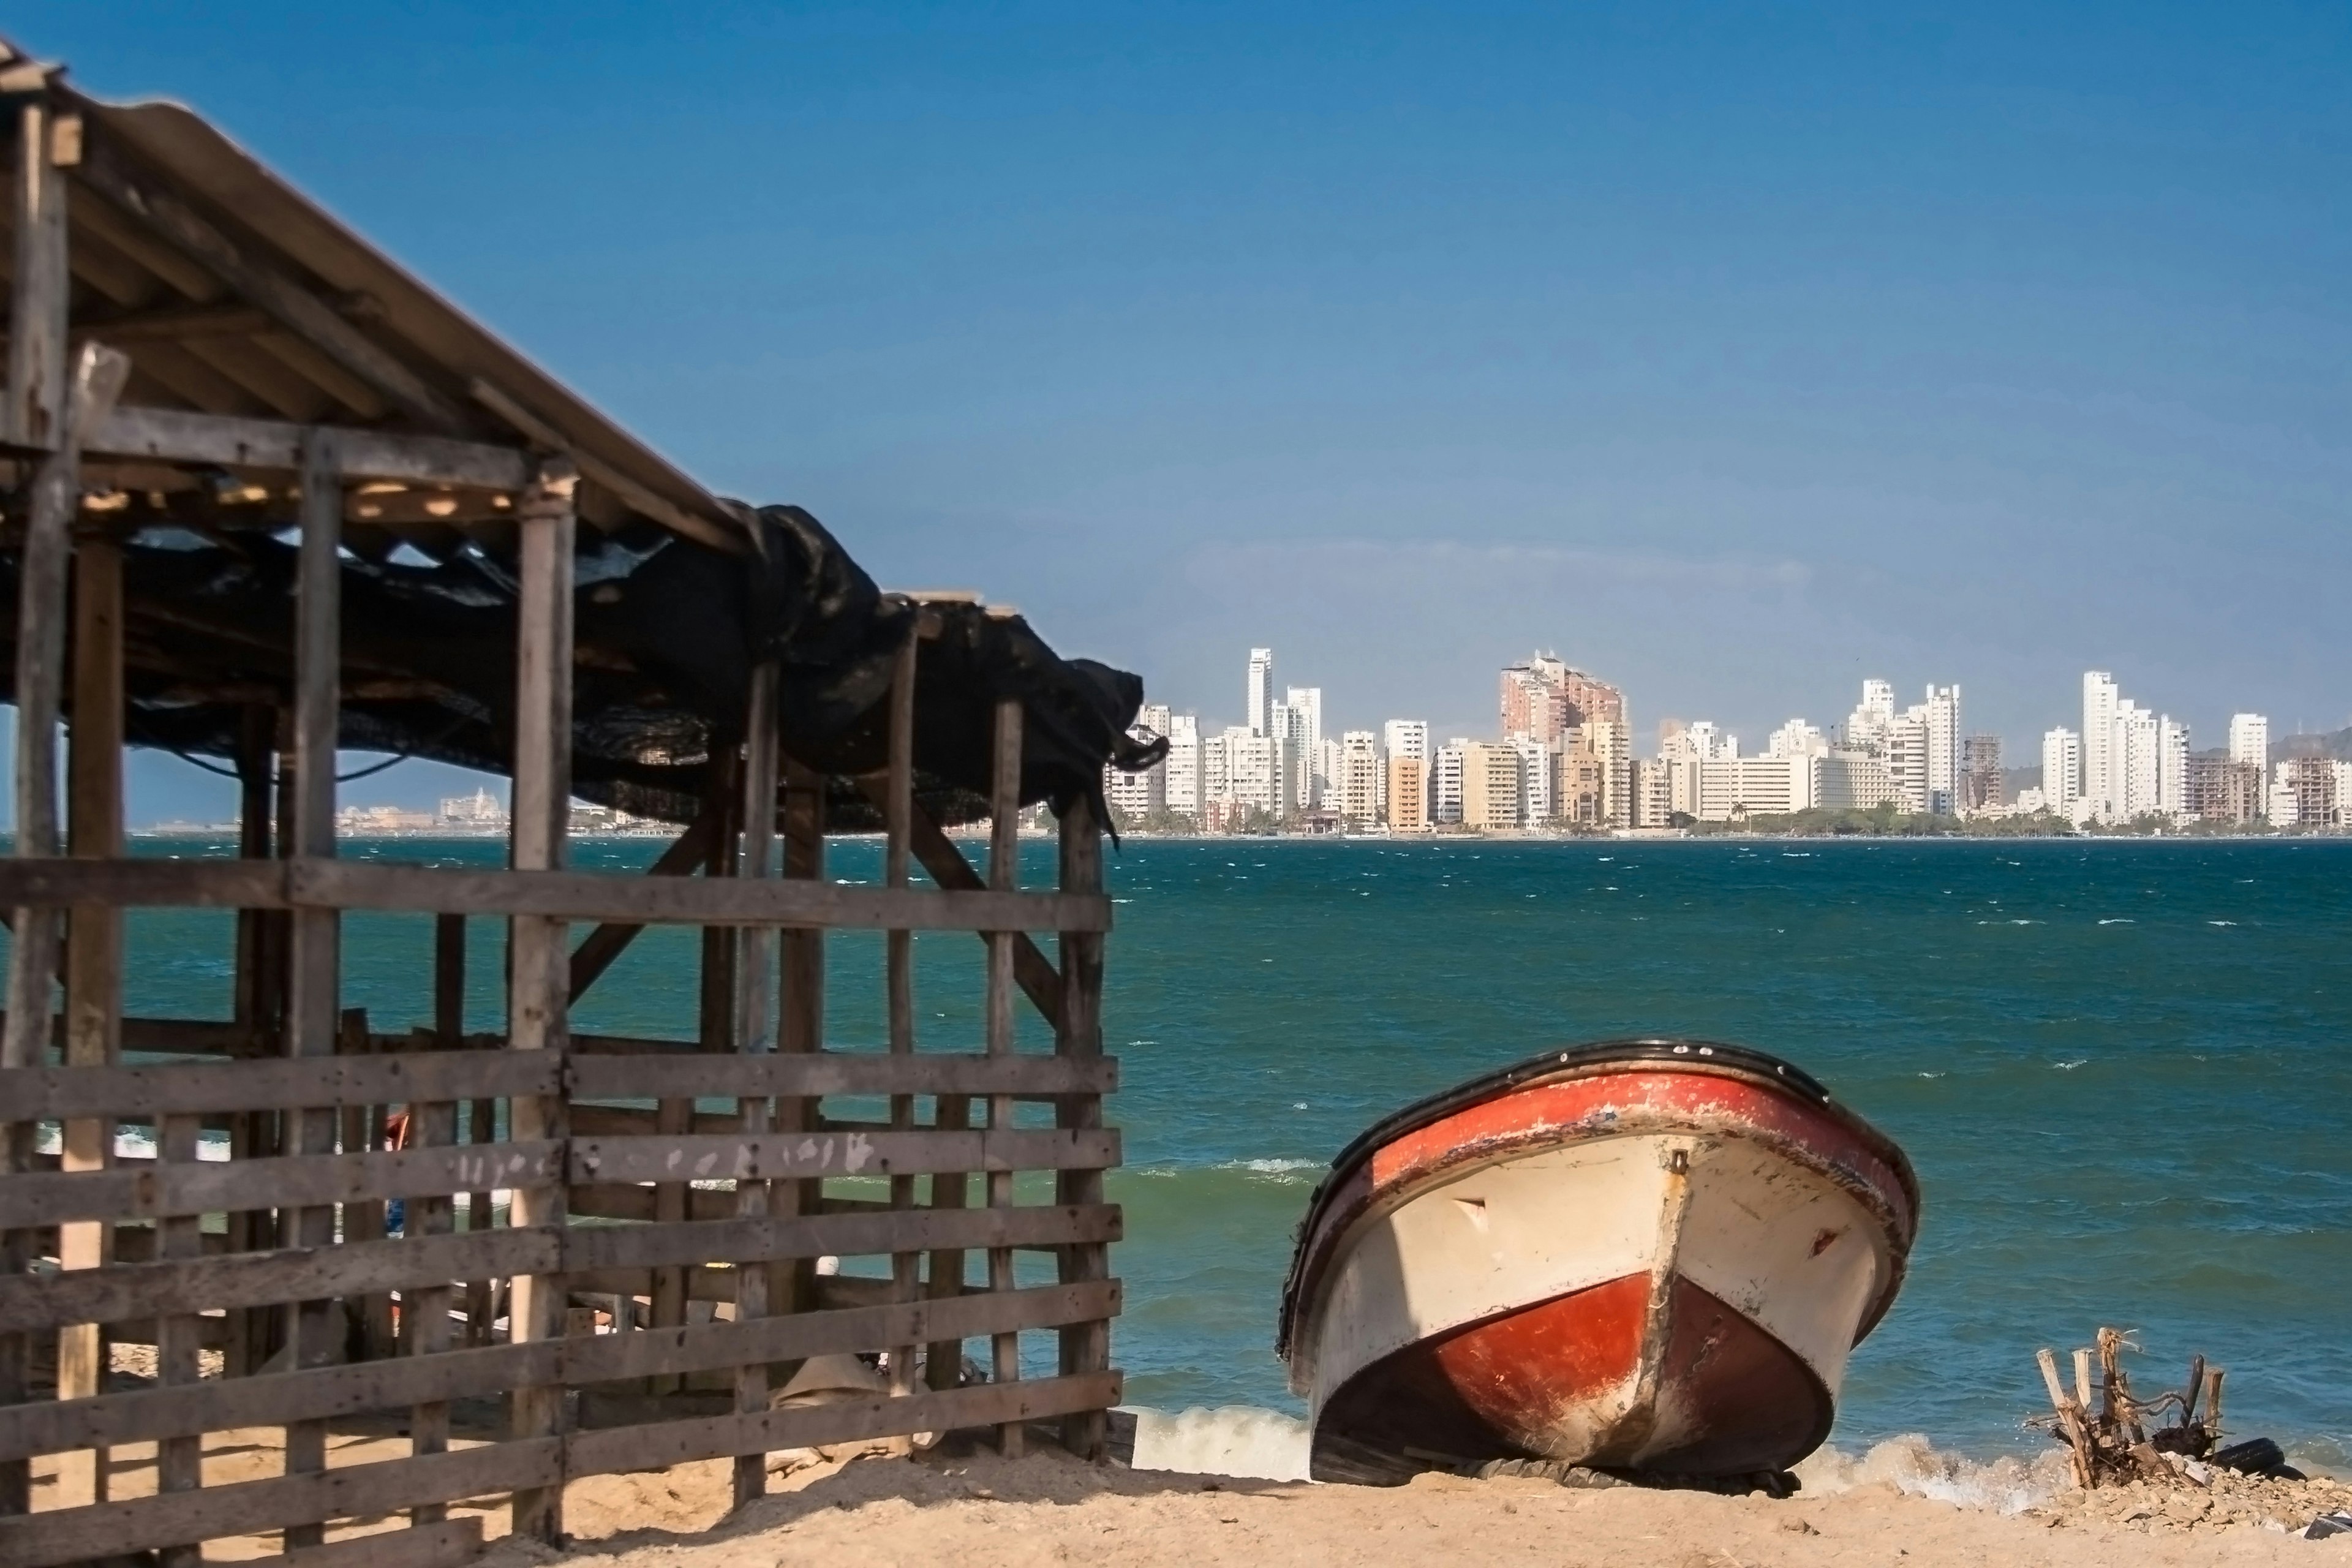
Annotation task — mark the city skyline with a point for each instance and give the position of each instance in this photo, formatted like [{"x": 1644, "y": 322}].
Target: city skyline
[{"x": 1562, "y": 751}]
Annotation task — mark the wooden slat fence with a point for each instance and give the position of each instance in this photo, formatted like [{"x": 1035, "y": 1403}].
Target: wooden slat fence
[{"x": 618, "y": 1238}]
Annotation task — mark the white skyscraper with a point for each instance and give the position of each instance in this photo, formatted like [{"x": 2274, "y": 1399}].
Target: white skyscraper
[
  {"x": 1261, "y": 691},
  {"x": 2250, "y": 739},
  {"x": 1867, "y": 726},
  {"x": 1305, "y": 705},
  {"x": 1445, "y": 781},
  {"x": 1405, "y": 738},
  {"x": 1796, "y": 738},
  {"x": 1183, "y": 734},
  {"x": 1907, "y": 760},
  {"x": 1942, "y": 713},
  {"x": 2132, "y": 758},
  {"x": 2171, "y": 767},
  {"x": 2102, "y": 778},
  {"x": 2061, "y": 770}
]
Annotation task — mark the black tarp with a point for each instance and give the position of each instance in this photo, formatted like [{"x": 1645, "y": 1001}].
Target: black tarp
[{"x": 666, "y": 633}]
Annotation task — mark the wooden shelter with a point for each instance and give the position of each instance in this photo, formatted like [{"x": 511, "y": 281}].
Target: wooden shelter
[{"x": 225, "y": 414}]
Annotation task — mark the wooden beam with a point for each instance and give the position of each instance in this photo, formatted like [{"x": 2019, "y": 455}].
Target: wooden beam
[
  {"x": 320, "y": 884},
  {"x": 331, "y": 1393},
  {"x": 599, "y": 949},
  {"x": 313, "y": 1008},
  {"x": 33, "y": 415},
  {"x": 669, "y": 513},
  {"x": 97, "y": 377},
  {"x": 177, "y": 436},
  {"x": 289, "y": 303},
  {"x": 541, "y": 970},
  {"x": 1085, "y": 1348},
  {"x": 1004, "y": 877},
  {"x": 755, "y": 1034},
  {"x": 169, "y": 1089},
  {"x": 93, "y": 1001},
  {"x": 896, "y": 1154}
]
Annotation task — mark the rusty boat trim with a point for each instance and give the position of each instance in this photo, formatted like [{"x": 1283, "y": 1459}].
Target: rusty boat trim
[{"x": 1341, "y": 1203}]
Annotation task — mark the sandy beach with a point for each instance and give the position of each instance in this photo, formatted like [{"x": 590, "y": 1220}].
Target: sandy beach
[{"x": 1050, "y": 1508}]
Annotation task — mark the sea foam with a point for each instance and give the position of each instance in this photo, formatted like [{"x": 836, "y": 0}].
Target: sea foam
[{"x": 1914, "y": 1465}]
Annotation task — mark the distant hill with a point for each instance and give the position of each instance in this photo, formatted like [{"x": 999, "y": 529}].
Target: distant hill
[{"x": 2335, "y": 743}]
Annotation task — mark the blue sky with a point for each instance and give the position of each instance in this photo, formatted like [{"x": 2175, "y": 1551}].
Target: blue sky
[{"x": 1735, "y": 352}]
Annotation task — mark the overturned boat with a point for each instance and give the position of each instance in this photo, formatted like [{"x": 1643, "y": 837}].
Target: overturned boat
[{"x": 1644, "y": 1254}]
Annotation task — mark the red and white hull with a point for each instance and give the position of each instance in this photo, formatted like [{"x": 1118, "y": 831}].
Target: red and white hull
[{"x": 1650, "y": 1256}]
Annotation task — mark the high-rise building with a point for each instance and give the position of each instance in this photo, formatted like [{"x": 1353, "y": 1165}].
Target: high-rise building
[
  {"x": 1183, "y": 791},
  {"x": 1360, "y": 763},
  {"x": 1328, "y": 758},
  {"x": 2062, "y": 771},
  {"x": 2171, "y": 767},
  {"x": 1942, "y": 713},
  {"x": 1253, "y": 773},
  {"x": 1981, "y": 784},
  {"x": 1405, "y": 738},
  {"x": 2250, "y": 740},
  {"x": 1543, "y": 698},
  {"x": 1867, "y": 726},
  {"x": 1538, "y": 779},
  {"x": 1853, "y": 780},
  {"x": 1906, "y": 761},
  {"x": 1490, "y": 787},
  {"x": 1261, "y": 691},
  {"x": 1796, "y": 738},
  {"x": 2221, "y": 790},
  {"x": 1445, "y": 781},
  {"x": 1408, "y": 810},
  {"x": 2102, "y": 786},
  {"x": 1610, "y": 742}
]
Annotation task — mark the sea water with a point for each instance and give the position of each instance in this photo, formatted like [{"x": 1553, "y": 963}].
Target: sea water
[{"x": 2120, "y": 1068}]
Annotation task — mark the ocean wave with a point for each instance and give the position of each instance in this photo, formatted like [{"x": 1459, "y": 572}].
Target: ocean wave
[
  {"x": 2070, "y": 1067},
  {"x": 1914, "y": 1465}
]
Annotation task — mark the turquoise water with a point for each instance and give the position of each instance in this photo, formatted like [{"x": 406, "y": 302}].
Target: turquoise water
[{"x": 2119, "y": 1067}]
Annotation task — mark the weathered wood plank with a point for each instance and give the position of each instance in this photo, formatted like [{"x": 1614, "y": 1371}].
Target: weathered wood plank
[
  {"x": 293, "y": 1501},
  {"x": 698, "y": 1242},
  {"x": 311, "y": 883},
  {"x": 173, "y": 434},
  {"x": 839, "y": 1073},
  {"x": 1085, "y": 1348},
  {"x": 334, "y": 1391},
  {"x": 139, "y": 1093},
  {"x": 1004, "y": 877},
  {"x": 262, "y": 284},
  {"x": 217, "y": 1186},
  {"x": 755, "y": 1034},
  {"x": 706, "y": 1157},
  {"x": 678, "y": 1442},
  {"x": 265, "y": 1279},
  {"x": 442, "y": 1543},
  {"x": 538, "y": 984}
]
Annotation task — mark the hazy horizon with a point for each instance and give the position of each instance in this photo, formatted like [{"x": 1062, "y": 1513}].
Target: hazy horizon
[{"x": 1735, "y": 356}]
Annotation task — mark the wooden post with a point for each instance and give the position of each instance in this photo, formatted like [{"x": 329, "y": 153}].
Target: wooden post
[
  {"x": 801, "y": 1028},
  {"x": 899, "y": 959},
  {"x": 260, "y": 1001},
  {"x": 34, "y": 412},
  {"x": 2072, "y": 1421},
  {"x": 1004, "y": 877},
  {"x": 1085, "y": 1347},
  {"x": 313, "y": 1011},
  {"x": 755, "y": 1034},
  {"x": 93, "y": 958},
  {"x": 541, "y": 948},
  {"x": 424, "y": 1310},
  {"x": 33, "y": 416},
  {"x": 179, "y": 1461}
]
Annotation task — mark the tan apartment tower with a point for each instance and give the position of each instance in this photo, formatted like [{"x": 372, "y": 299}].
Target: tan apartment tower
[
  {"x": 1408, "y": 793},
  {"x": 1490, "y": 787}
]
